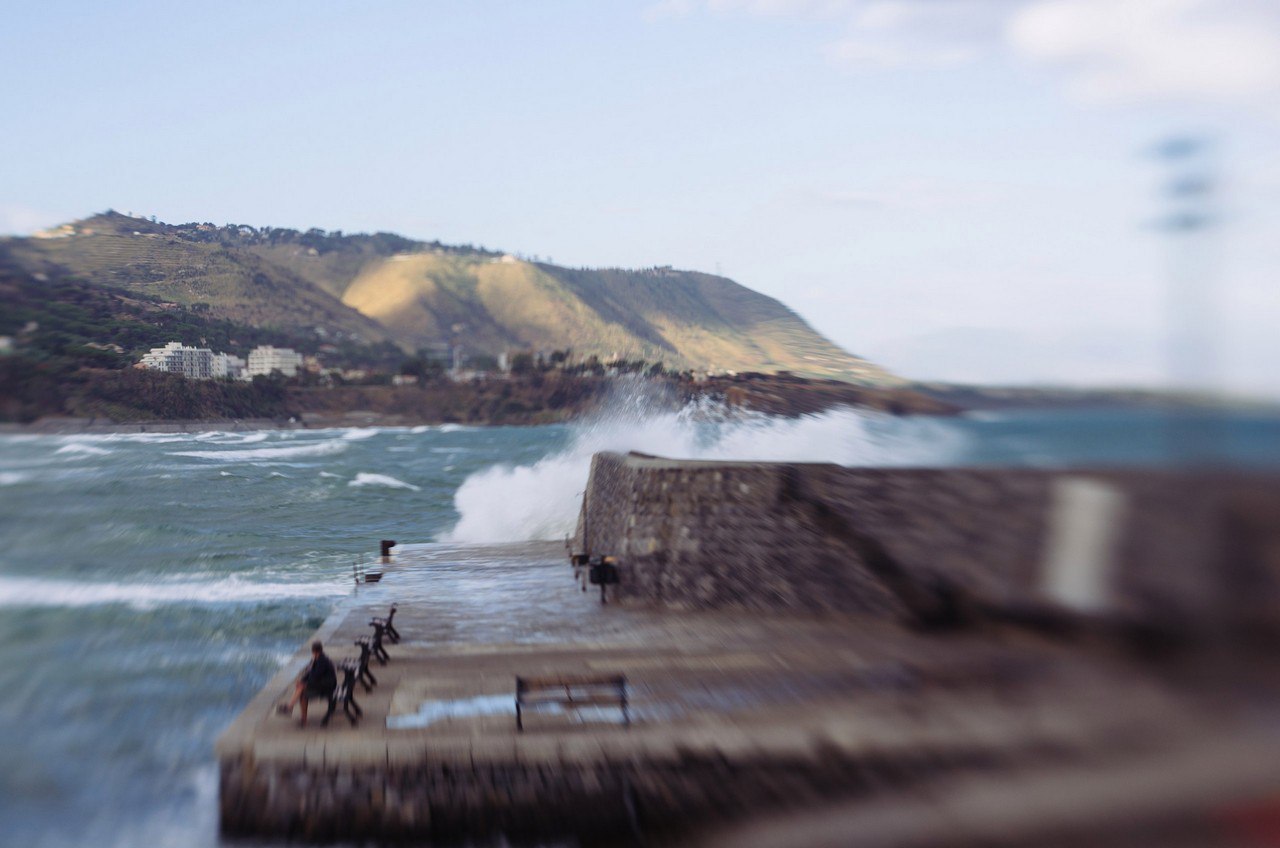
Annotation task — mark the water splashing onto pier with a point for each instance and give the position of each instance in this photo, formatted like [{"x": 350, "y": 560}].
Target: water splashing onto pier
[{"x": 540, "y": 500}]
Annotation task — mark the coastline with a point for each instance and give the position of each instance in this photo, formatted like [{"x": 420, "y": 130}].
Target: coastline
[{"x": 528, "y": 402}]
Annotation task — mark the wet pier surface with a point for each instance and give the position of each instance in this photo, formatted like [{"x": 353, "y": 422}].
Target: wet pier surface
[{"x": 732, "y": 713}]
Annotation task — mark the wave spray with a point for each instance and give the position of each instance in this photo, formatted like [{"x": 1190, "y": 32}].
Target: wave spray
[{"x": 510, "y": 503}]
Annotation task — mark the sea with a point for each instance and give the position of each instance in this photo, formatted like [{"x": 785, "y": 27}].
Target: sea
[{"x": 151, "y": 583}]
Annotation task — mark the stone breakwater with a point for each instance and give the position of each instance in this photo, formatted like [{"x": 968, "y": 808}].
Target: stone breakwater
[
  {"x": 773, "y": 686},
  {"x": 1157, "y": 551},
  {"x": 733, "y": 714}
]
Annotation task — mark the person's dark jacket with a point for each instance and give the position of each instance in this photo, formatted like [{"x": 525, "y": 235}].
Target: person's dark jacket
[{"x": 321, "y": 677}]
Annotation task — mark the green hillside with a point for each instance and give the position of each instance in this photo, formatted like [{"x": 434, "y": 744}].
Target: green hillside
[
  {"x": 219, "y": 276},
  {"x": 374, "y": 288}
]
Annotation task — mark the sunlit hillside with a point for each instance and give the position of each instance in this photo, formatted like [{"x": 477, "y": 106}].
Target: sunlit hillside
[
  {"x": 684, "y": 319},
  {"x": 418, "y": 294}
]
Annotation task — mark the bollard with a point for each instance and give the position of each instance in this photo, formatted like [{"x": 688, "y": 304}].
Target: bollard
[{"x": 387, "y": 545}]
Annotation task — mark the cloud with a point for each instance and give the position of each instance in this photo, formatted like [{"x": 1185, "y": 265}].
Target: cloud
[
  {"x": 877, "y": 34},
  {"x": 1127, "y": 50},
  {"x": 1107, "y": 50},
  {"x": 918, "y": 33}
]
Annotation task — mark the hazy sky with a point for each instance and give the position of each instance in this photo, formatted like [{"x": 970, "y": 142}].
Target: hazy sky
[{"x": 955, "y": 188}]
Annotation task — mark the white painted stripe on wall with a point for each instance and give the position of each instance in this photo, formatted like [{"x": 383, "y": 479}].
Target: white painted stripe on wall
[{"x": 1085, "y": 520}]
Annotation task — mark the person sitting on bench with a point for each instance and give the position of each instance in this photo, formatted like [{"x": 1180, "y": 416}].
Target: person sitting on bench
[{"x": 318, "y": 680}]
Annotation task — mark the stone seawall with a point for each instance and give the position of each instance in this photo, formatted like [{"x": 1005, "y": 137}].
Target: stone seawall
[
  {"x": 617, "y": 801},
  {"x": 1162, "y": 549},
  {"x": 781, "y": 708}
]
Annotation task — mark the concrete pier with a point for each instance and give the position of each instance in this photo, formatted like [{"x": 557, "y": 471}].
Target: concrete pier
[{"x": 737, "y": 715}]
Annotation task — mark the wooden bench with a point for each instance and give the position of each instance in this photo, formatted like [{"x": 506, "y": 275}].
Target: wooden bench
[{"x": 571, "y": 691}]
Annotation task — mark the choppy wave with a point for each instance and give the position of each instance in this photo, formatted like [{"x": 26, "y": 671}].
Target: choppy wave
[
  {"x": 39, "y": 592},
  {"x": 508, "y": 503},
  {"x": 367, "y": 479},
  {"x": 325, "y": 448}
]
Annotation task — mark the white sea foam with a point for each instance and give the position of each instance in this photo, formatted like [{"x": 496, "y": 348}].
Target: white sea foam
[
  {"x": 82, "y": 449},
  {"x": 38, "y": 592},
  {"x": 329, "y": 474},
  {"x": 145, "y": 438},
  {"x": 220, "y": 437},
  {"x": 13, "y": 478},
  {"x": 358, "y": 434},
  {"x": 506, "y": 503},
  {"x": 325, "y": 448},
  {"x": 366, "y": 479}
]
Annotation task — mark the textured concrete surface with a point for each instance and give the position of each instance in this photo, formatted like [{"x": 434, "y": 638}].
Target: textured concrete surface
[{"x": 736, "y": 713}]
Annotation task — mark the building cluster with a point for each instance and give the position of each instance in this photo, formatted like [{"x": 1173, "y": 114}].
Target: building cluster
[{"x": 200, "y": 363}]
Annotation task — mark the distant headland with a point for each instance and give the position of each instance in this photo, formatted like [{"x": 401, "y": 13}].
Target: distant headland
[{"x": 388, "y": 330}]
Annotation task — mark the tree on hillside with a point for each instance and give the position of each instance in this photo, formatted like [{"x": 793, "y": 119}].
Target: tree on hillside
[{"x": 422, "y": 367}]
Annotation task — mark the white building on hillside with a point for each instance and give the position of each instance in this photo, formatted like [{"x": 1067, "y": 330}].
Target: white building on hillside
[
  {"x": 265, "y": 359},
  {"x": 228, "y": 366},
  {"x": 195, "y": 363}
]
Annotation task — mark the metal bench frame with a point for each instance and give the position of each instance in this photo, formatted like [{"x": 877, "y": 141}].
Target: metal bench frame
[{"x": 572, "y": 691}]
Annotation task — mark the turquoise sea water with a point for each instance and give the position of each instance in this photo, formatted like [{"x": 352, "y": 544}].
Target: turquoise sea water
[{"x": 151, "y": 583}]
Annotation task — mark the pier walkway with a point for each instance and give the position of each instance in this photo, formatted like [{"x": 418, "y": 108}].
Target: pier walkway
[{"x": 733, "y": 713}]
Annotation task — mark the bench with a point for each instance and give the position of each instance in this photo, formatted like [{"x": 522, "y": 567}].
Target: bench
[{"x": 572, "y": 692}]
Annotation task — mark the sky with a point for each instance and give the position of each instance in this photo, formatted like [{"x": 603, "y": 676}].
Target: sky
[{"x": 966, "y": 190}]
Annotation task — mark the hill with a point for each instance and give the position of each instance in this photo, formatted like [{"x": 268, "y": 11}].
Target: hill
[
  {"x": 684, "y": 319},
  {"x": 379, "y": 287},
  {"x": 205, "y": 270}
]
